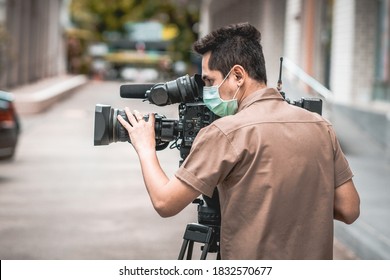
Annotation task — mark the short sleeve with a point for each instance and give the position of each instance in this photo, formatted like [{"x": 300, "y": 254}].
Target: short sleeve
[
  {"x": 209, "y": 162},
  {"x": 342, "y": 171}
]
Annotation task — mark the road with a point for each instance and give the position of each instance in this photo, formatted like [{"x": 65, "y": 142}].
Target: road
[{"x": 63, "y": 198}]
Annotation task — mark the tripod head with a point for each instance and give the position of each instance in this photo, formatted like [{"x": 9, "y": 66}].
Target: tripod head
[{"x": 209, "y": 212}]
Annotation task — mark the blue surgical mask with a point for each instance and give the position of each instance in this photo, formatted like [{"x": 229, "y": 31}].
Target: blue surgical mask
[{"x": 216, "y": 104}]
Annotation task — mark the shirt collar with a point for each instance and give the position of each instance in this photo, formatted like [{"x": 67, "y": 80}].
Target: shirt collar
[{"x": 259, "y": 95}]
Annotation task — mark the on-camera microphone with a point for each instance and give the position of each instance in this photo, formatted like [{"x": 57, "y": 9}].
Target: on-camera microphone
[{"x": 135, "y": 90}]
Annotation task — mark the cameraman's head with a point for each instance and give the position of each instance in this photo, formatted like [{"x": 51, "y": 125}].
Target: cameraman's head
[
  {"x": 234, "y": 44},
  {"x": 232, "y": 64}
]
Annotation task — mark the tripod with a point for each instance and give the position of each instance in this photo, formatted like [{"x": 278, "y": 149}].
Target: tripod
[
  {"x": 208, "y": 235},
  {"x": 207, "y": 231}
]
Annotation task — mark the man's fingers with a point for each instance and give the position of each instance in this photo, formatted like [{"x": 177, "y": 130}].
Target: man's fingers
[
  {"x": 138, "y": 115},
  {"x": 123, "y": 122},
  {"x": 130, "y": 116},
  {"x": 152, "y": 118},
  {"x": 134, "y": 118}
]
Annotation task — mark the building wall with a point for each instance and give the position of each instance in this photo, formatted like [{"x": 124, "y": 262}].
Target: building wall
[
  {"x": 35, "y": 44},
  {"x": 366, "y": 12},
  {"x": 272, "y": 24},
  {"x": 2, "y": 12},
  {"x": 292, "y": 36},
  {"x": 230, "y": 11},
  {"x": 342, "y": 50},
  {"x": 266, "y": 15},
  {"x": 382, "y": 65},
  {"x": 307, "y": 37},
  {"x": 353, "y": 50}
]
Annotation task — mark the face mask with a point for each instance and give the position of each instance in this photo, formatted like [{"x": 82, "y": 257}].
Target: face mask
[{"x": 216, "y": 104}]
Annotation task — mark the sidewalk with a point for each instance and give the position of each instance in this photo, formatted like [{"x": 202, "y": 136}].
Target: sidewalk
[{"x": 369, "y": 236}]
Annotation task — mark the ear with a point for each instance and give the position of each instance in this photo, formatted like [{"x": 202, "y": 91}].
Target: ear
[{"x": 239, "y": 73}]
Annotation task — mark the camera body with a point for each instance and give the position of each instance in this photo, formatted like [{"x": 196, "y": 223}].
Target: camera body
[
  {"x": 192, "y": 118},
  {"x": 310, "y": 104}
]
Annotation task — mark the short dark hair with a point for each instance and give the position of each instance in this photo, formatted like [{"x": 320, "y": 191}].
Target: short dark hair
[{"x": 234, "y": 44}]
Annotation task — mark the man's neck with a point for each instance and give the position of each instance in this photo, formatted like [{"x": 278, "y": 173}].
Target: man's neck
[{"x": 251, "y": 88}]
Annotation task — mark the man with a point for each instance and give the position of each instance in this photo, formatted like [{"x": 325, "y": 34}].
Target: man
[{"x": 281, "y": 175}]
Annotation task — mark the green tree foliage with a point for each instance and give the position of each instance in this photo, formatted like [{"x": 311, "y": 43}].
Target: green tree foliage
[{"x": 100, "y": 16}]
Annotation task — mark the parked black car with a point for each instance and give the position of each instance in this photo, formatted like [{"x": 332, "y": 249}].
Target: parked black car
[{"x": 9, "y": 126}]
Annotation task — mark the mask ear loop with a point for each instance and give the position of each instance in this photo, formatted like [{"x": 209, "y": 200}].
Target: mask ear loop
[
  {"x": 234, "y": 97},
  {"x": 225, "y": 78},
  {"x": 224, "y": 81}
]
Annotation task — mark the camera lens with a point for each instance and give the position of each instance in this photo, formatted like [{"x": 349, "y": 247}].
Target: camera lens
[
  {"x": 107, "y": 127},
  {"x": 120, "y": 133},
  {"x": 184, "y": 89},
  {"x": 102, "y": 123}
]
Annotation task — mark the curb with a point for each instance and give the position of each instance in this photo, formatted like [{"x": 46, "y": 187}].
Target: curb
[{"x": 36, "y": 98}]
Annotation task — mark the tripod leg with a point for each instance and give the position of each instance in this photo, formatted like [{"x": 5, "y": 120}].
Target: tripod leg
[
  {"x": 190, "y": 249},
  {"x": 183, "y": 249},
  {"x": 205, "y": 250},
  {"x": 190, "y": 245}
]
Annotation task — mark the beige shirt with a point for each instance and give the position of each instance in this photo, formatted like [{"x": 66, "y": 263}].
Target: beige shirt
[{"x": 276, "y": 167}]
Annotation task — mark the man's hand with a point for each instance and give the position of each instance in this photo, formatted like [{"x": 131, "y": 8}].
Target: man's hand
[{"x": 141, "y": 132}]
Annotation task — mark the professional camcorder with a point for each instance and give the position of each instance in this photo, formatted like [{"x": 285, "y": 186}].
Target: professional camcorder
[{"x": 193, "y": 114}]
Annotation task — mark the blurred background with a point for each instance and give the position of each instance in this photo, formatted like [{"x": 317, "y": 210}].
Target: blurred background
[{"x": 63, "y": 198}]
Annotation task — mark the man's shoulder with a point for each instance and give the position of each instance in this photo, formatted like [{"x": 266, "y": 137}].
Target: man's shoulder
[{"x": 229, "y": 124}]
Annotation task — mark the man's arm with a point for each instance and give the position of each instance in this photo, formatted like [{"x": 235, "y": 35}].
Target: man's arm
[
  {"x": 168, "y": 196},
  {"x": 346, "y": 203}
]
